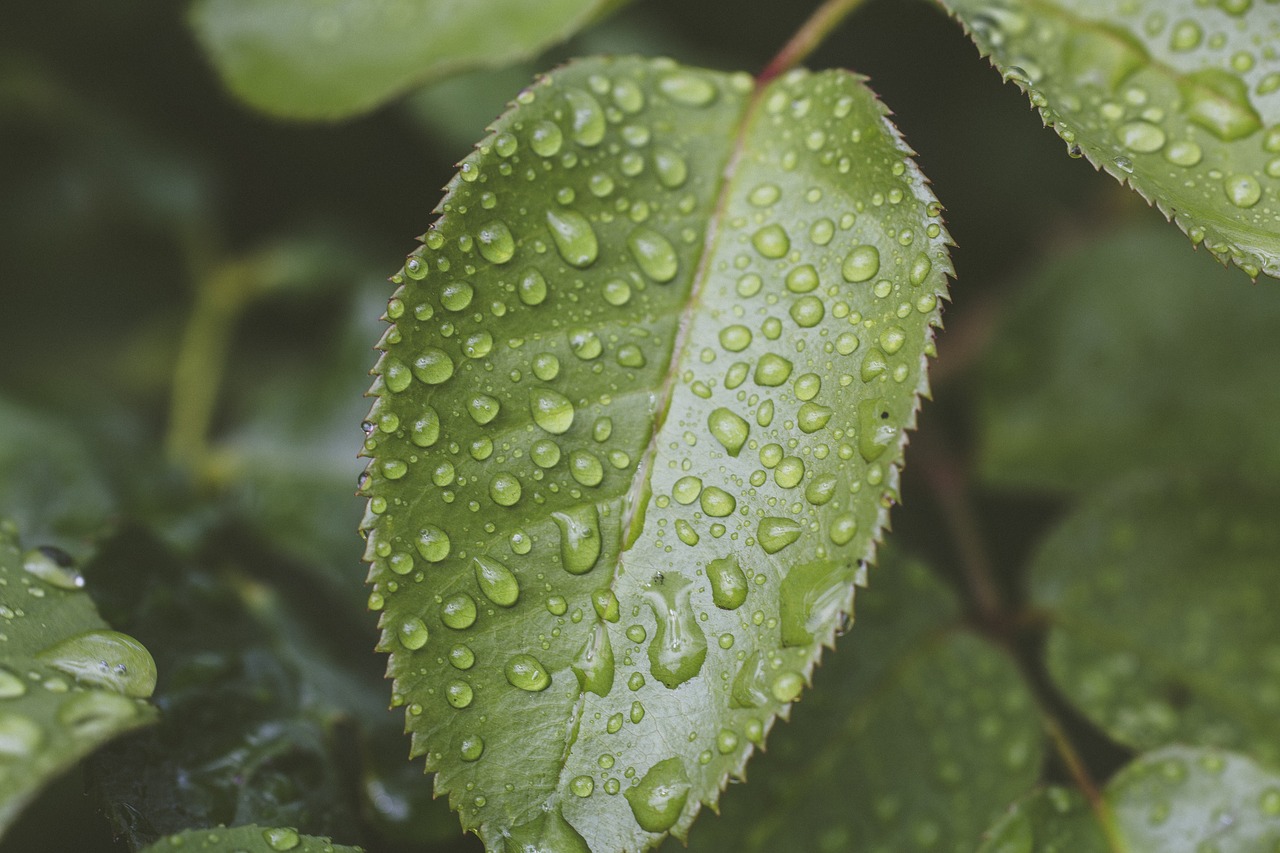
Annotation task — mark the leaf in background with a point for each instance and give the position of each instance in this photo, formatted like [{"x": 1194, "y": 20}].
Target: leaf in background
[
  {"x": 1128, "y": 354},
  {"x": 247, "y": 839},
  {"x": 915, "y": 736},
  {"x": 1178, "y": 99},
  {"x": 1161, "y": 595},
  {"x": 642, "y": 412},
  {"x": 1175, "y": 800},
  {"x": 50, "y": 484},
  {"x": 341, "y": 57},
  {"x": 68, "y": 683}
]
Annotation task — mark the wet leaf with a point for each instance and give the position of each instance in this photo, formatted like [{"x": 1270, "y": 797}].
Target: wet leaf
[
  {"x": 1128, "y": 354},
  {"x": 1175, "y": 800},
  {"x": 68, "y": 683},
  {"x": 1179, "y": 99},
  {"x": 1197, "y": 659},
  {"x": 247, "y": 839},
  {"x": 641, "y": 414},
  {"x": 915, "y": 736},
  {"x": 340, "y": 58}
]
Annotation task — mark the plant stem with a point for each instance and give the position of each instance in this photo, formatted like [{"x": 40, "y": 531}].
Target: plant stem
[{"x": 811, "y": 34}]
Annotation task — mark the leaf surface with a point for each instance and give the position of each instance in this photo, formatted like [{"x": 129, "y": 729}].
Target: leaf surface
[
  {"x": 1199, "y": 661},
  {"x": 69, "y": 684},
  {"x": 1175, "y": 800},
  {"x": 916, "y": 735},
  {"x": 1179, "y": 99},
  {"x": 1153, "y": 359},
  {"x": 342, "y": 57},
  {"x": 641, "y": 407},
  {"x": 247, "y": 839}
]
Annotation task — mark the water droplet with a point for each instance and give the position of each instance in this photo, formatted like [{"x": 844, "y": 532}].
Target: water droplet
[
  {"x": 764, "y": 195},
  {"x": 532, "y": 287},
  {"x": 471, "y": 747},
  {"x": 593, "y": 664},
  {"x": 281, "y": 838},
  {"x": 628, "y": 96},
  {"x": 574, "y": 237},
  {"x": 605, "y": 603},
  {"x": 433, "y": 366},
  {"x": 688, "y": 88},
  {"x": 772, "y": 370},
  {"x": 787, "y": 686},
  {"x": 616, "y": 292},
  {"x": 802, "y": 279},
  {"x": 585, "y": 344},
  {"x": 95, "y": 713},
  {"x": 482, "y": 408},
  {"x": 413, "y": 633},
  {"x": 861, "y": 264},
  {"x": 637, "y": 712},
  {"x": 1186, "y": 35},
  {"x": 496, "y": 581},
  {"x": 505, "y": 490},
  {"x": 735, "y": 338},
  {"x": 19, "y": 737},
  {"x": 1183, "y": 153},
  {"x": 771, "y": 241},
  {"x": 11, "y": 686},
  {"x": 551, "y": 410},
  {"x": 813, "y": 596},
  {"x": 432, "y": 543},
  {"x": 458, "y": 693},
  {"x": 660, "y": 797},
  {"x": 679, "y": 646},
  {"x": 545, "y": 138},
  {"x": 808, "y": 311},
  {"x": 582, "y": 786},
  {"x": 527, "y": 673},
  {"x": 654, "y": 254},
  {"x": 789, "y": 472},
  {"x": 1141, "y": 136},
  {"x": 686, "y": 490},
  {"x": 728, "y": 583},
  {"x": 457, "y": 295},
  {"x": 586, "y": 468},
  {"x": 774, "y": 533},
  {"x": 580, "y": 540},
  {"x": 1218, "y": 101},
  {"x": 107, "y": 659},
  {"x": 729, "y": 429},
  {"x": 1242, "y": 190},
  {"x": 549, "y": 832},
  {"x": 497, "y": 246},
  {"x": 458, "y": 611},
  {"x": 461, "y": 656},
  {"x": 545, "y": 453},
  {"x": 876, "y": 430},
  {"x": 53, "y": 566},
  {"x": 717, "y": 503},
  {"x": 670, "y": 167},
  {"x": 588, "y": 118}
]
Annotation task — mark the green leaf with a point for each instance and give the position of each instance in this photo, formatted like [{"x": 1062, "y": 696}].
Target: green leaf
[
  {"x": 69, "y": 684},
  {"x": 1128, "y": 354},
  {"x": 1180, "y": 100},
  {"x": 1175, "y": 800},
  {"x": 646, "y": 390},
  {"x": 331, "y": 60},
  {"x": 1199, "y": 660},
  {"x": 916, "y": 736},
  {"x": 50, "y": 484},
  {"x": 247, "y": 839}
]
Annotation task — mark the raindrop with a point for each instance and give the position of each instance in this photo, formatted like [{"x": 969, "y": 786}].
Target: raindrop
[
  {"x": 107, "y": 659},
  {"x": 496, "y": 581},
  {"x": 551, "y": 410},
  {"x": 574, "y": 237},
  {"x": 654, "y": 254},
  {"x": 861, "y": 264},
  {"x": 496, "y": 243},
  {"x": 728, "y": 583},
  {"x": 526, "y": 672},
  {"x": 580, "y": 540}
]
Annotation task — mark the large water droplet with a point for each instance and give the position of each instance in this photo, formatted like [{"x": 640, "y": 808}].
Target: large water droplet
[
  {"x": 20, "y": 737},
  {"x": 433, "y": 366},
  {"x": 96, "y": 713},
  {"x": 549, "y": 832},
  {"x": 551, "y": 410},
  {"x": 107, "y": 659},
  {"x": 52, "y": 566},
  {"x": 1242, "y": 190},
  {"x": 749, "y": 688},
  {"x": 1218, "y": 101},
  {"x": 685, "y": 87},
  {"x": 281, "y": 838},
  {"x": 659, "y": 799},
  {"x": 1142, "y": 137},
  {"x": 497, "y": 246},
  {"x": 545, "y": 138},
  {"x": 527, "y": 673},
  {"x": 861, "y": 264},
  {"x": 728, "y": 583},
  {"x": 432, "y": 543},
  {"x": 532, "y": 287},
  {"x": 729, "y": 429},
  {"x": 580, "y": 540},
  {"x": 588, "y": 118},
  {"x": 771, "y": 241},
  {"x": 775, "y": 533},
  {"x": 574, "y": 237},
  {"x": 716, "y": 502},
  {"x": 876, "y": 430},
  {"x": 458, "y": 611},
  {"x": 679, "y": 646},
  {"x": 593, "y": 664},
  {"x": 654, "y": 254},
  {"x": 505, "y": 489},
  {"x": 772, "y": 370},
  {"x": 812, "y": 597},
  {"x": 670, "y": 167},
  {"x": 413, "y": 633},
  {"x": 496, "y": 581}
]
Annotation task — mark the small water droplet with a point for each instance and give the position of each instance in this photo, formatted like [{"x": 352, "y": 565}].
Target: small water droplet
[
  {"x": 1243, "y": 190},
  {"x": 551, "y": 410},
  {"x": 688, "y": 88},
  {"x": 771, "y": 241},
  {"x": 458, "y": 611},
  {"x": 1142, "y": 137},
  {"x": 861, "y": 264},
  {"x": 433, "y": 366},
  {"x": 670, "y": 167},
  {"x": 729, "y": 429},
  {"x": 774, "y": 533},
  {"x": 53, "y": 566},
  {"x": 432, "y": 543},
  {"x": 526, "y": 672},
  {"x": 574, "y": 237},
  {"x": 660, "y": 797},
  {"x": 471, "y": 747},
  {"x": 497, "y": 246},
  {"x": 654, "y": 254},
  {"x": 458, "y": 693},
  {"x": 545, "y": 138},
  {"x": 496, "y": 581},
  {"x": 772, "y": 370},
  {"x": 728, "y": 583}
]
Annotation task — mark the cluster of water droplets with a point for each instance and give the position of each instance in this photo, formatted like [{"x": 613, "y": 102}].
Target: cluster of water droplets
[{"x": 1181, "y": 100}]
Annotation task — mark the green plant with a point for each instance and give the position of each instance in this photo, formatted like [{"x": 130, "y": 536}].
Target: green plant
[{"x": 639, "y": 419}]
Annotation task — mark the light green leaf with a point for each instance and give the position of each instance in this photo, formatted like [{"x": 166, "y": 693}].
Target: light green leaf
[
  {"x": 1129, "y": 354},
  {"x": 247, "y": 839},
  {"x": 644, "y": 399},
  {"x": 1199, "y": 660},
  {"x": 1175, "y": 800},
  {"x": 1179, "y": 99},
  {"x": 69, "y": 684},
  {"x": 341, "y": 57},
  {"x": 915, "y": 736}
]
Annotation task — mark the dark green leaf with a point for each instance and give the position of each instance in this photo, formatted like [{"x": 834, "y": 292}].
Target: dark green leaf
[
  {"x": 1175, "y": 800},
  {"x": 1179, "y": 99},
  {"x": 1128, "y": 354},
  {"x": 641, "y": 416},
  {"x": 915, "y": 737},
  {"x": 1162, "y": 598},
  {"x": 247, "y": 839},
  {"x": 68, "y": 683},
  {"x": 345, "y": 57}
]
